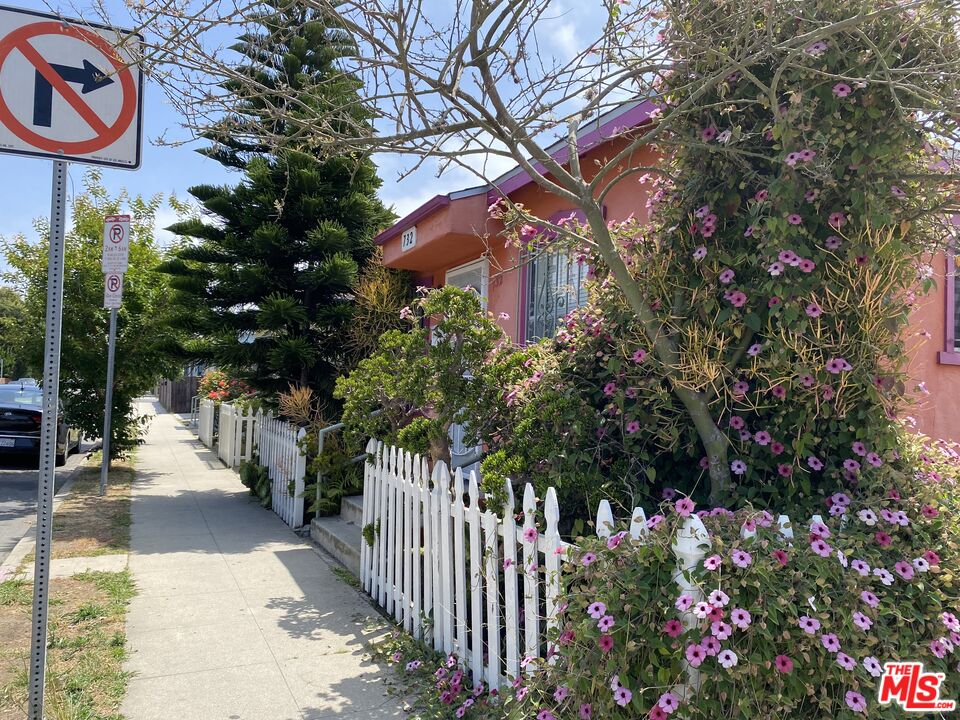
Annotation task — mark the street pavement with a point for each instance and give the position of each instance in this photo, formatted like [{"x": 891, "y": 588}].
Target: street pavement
[
  {"x": 236, "y": 617},
  {"x": 18, "y": 496}
]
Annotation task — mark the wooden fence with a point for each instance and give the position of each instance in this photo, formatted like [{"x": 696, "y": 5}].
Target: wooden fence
[
  {"x": 474, "y": 583},
  {"x": 175, "y": 395}
]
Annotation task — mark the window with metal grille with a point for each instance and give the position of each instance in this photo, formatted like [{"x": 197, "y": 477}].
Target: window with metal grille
[{"x": 555, "y": 286}]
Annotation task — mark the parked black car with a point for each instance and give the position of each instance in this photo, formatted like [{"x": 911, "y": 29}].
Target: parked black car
[{"x": 21, "y": 412}]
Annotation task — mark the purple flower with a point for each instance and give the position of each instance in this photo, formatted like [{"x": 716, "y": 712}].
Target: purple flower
[
  {"x": 833, "y": 242},
  {"x": 609, "y": 388},
  {"x": 762, "y": 438},
  {"x": 738, "y": 467},
  {"x": 845, "y": 661},
  {"x": 684, "y": 602},
  {"x": 668, "y": 702},
  {"x": 708, "y": 133},
  {"x": 622, "y": 696},
  {"x": 831, "y": 642},
  {"x": 712, "y": 563},
  {"x": 842, "y": 90},
  {"x": 727, "y": 659},
  {"x": 588, "y": 559},
  {"x": 726, "y": 276},
  {"x": 737, "y": 298},
  {"x": 783, "y": 664},
  {"x": 815, "y": 463},
  {"x": 860, "y": 567},
  {"x": 808, "y": 624},
  {"x": 605, "y": 623},
  {"x": 838, "y": 365},
  {"x": 754, "y": 349},
  {"x": 817, "y": 49},
  {"x": 632, "y": 427},
  {"x": 904, "y": 570},
  {"x": 837, "y": 219},
  {"x": 855, "y": 701},
  {"x": 821, "y": 548},
  {"x": 718, "y": 598},
  {"x": 897, "y": 192},
  {"x": 862, "y": 621},
  {"x": 869, "y": 598},
  {"x": 807, "y": 266},
  {"x": 597, "y": 610},
  {"x": 710, "y": 645},
  {"x": 872, "y": 666},
  {"x": 741, "y": 618},
  {"x": 684, "y": 507},
  {"x": 741, "y": 559},
  {"x": 794, "y": 219},
  {"x": 695, "y": 654},
  {"x": 700, "y": 253}
]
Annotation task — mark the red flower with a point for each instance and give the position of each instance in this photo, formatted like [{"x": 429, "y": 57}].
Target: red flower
[{"x": 883, "y": 540}]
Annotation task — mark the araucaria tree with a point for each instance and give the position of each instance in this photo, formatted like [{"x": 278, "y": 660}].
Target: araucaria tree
[
  {"x": 263, "y": 277},
  {"x": 816, "y": 135}
]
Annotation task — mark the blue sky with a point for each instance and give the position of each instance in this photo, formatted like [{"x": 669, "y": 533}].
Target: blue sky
[{"x": 171, "y": 170}]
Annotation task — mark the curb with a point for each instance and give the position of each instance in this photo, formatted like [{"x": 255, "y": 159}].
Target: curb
[{"x": 8, "y": 568}]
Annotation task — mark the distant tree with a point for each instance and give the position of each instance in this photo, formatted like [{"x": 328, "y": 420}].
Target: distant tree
[
  {"x": 263, "y": 278},
  {"x": 143, "y": 337},
  {"x": 11, "y": 333}
]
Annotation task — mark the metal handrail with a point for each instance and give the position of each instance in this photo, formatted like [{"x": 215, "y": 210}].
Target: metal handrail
[{"x": 194, "y": 411}]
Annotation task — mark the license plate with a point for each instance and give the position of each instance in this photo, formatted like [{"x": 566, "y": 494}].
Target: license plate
[{"x": 7, "y": 442}]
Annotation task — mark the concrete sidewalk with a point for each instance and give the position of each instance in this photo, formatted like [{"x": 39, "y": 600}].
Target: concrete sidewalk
[{"x": 236, "y": 617}]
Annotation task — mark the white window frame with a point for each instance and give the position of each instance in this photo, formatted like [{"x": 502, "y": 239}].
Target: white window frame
[{"x": 484, "y": 265}]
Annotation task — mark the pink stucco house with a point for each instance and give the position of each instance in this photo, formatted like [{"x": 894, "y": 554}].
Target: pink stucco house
[{"x": 452, "y": 239}]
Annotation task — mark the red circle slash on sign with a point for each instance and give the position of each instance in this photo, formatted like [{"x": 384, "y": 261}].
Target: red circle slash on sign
[
  {"x": 116, "y": 234},
  {"x": 105, "y": 134}
]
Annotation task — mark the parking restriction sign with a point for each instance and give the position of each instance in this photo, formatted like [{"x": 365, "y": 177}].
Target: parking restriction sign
[
  {"x": 112, "y": 290},
  {"x": 116, "y": 243}
]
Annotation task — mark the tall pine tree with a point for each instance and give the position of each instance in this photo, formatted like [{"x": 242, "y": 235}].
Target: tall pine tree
[{"x": 263, "y": 277}]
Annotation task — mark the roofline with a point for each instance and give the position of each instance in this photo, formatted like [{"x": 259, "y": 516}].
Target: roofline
[
  {"x": 435, "y": 203},
  {"x": 603, "y": 128},
  {"x": 597, "y": 131}
]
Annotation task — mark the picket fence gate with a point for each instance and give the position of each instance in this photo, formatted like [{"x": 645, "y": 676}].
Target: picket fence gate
[
  {"x": 235, "y": 440},
  {"x": 279, "y": 450},
  {"x": 205, "y": 422},
  {"x": 477, "y": 584}
]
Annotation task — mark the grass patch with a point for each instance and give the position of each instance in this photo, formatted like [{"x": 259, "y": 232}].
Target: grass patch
[
  {"x": 86, "y": 646},
  {"x": 346, "y": 576},
  {"x": 87, "y": 525}
]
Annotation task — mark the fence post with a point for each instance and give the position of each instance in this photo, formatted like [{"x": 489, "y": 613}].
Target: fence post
[
  {"x": 690, "y": 546},
  {"x": 531, "y": 584},
  {"x": 551, "y": 512},
  {"x": 299, "y": 475}
]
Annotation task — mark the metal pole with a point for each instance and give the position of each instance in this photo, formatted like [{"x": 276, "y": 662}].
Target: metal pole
[
  {"x": 108, "y": 405},
  {"x": 48, "y": 440}
]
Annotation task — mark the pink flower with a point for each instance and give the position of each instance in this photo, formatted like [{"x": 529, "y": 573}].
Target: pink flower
[
  {"x": 632, "y": 427},
  {"x": 842, "y": 90},
  {"x": 530, "y": 534},
  {"x": 808, "y": 624},
  {"x": 807, "y": 380},
  {"x": 855, "y": 701},
  {"x": 883, "y": 540},
  {"x": 815, "y": 463},
  {"x": 860, "y": 567},
  {"x": 874, "y": 459},
  {"x": 684, "y": 602},
  {"x": 700, "y": 253},
  {"x": 862, "y": 621},
  {"x": 869, "y": 598},
  {"x": 783, "y": 664},
  {"x": 741, "y": 618},
  {"x": 821, "y": 548},
  {"x": 794, "y": 219},
  {"x": 781, "y": 557},
  {"x": 695, "y": 654},
  {"x": 784, "y": 470},
  {"x": 872, "y": 666},
  {"x": 708, "y": 133},
  {"x": 639, "y": 355},
  {"x": 817, "y": 49},
  {"x": 588, "y": 559},
  {"x": 738, "y": 467},
  {"x": 615, "y": 540},
  {"x": 721, "y": 630},
  {"x": 897, "y": 192},
  {"x": 833, "y": 242},
  {"x": 605, "y": 643},
  {"x": 597, "y": 610},
  {"x": 904, "y": 570},
  {"x": 761, "y": 195},
  {"x": 684, "y": 507},
  {"x": 605, "y": 623},
  {"x": 622, "y": 696},
  {"x": 586, "y": 712},
  {"x": 831, "y": 642},
  {"x": 737, "y": 298},
  {"x": 845, "y": 661},
  {"x": 673, "y": 628},
  {"x": 712, "y": 563},
  {"x": 838, "y": 365},
  {"x": 807, "y": 266},
  {"x": 711, "y": 646},
  {"x": 779, "y": 392},
  {"x": 727, "y": 659},
  {"x": 931, "y": 557},
  {"x": 609, "y": 388},
  {"x": 740, "y": 387},
  {"x": 669, "y": 702},
  {"x": 741, "y": 559},
  {"x": 718, "y": 598},
  {"x": 762, "y": 438},
  {"x": 726, "y": 276},
  {"x": 837, "y": 219}
]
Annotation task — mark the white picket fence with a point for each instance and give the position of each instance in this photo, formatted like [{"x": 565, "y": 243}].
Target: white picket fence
[
  {"x": 279, "y": 450},
  {"x": 205, "y": 422},
  {"x": 476, "y": 583},
  {"x": 235, "y": 441}
]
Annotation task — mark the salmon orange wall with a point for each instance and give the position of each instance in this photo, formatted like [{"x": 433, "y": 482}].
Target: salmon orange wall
[{"x": 937, "y": 411}]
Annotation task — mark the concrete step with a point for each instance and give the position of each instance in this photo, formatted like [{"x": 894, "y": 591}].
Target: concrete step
[
  {"x": 351, "y": 509},
  {"x": 339, "y": 538}
]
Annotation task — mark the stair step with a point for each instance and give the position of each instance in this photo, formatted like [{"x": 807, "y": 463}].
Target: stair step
[
  {"x": 351, "y": 509},
  {"x": 339, "y": 538}
]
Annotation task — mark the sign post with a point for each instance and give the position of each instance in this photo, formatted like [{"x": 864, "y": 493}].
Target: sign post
[
  {"x": 116, "y": 253},
  {"x": 70, "y": 91}
]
